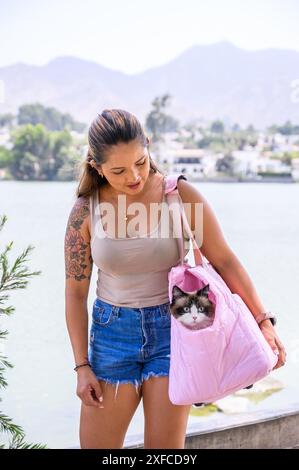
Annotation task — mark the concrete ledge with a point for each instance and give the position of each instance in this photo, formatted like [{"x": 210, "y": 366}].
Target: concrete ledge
[{"x": 277, "y": 429}]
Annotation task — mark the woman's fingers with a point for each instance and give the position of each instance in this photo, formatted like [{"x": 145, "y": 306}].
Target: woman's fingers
[
  {"x": 93, "y": 397},
  {"x": 89, "y": 396},
  {"x": 98, "y": 391},
  {"x": 275, "y": 344},
  {"x": 281, "y": 354}
]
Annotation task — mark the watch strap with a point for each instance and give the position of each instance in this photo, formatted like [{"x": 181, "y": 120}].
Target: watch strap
[{"x": 266, "y": 316}]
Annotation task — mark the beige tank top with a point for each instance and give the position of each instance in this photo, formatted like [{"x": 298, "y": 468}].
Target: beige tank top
[{"x": 133, "y": 271}]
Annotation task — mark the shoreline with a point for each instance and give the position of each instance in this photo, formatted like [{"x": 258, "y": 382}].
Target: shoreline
[
  {"x": 190, "y": 179},
  {"x": 240, "y": 180}
]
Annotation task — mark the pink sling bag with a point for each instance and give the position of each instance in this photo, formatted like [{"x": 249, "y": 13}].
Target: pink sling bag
[{"x": 232, "y": 353}]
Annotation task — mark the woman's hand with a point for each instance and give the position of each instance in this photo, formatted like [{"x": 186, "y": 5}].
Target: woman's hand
[
  {"x": 276, "y": 345},
  {"x": 88, "y": 388}
]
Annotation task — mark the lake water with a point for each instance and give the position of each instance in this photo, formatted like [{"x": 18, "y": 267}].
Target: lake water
[{"x": 261, "y": 224}]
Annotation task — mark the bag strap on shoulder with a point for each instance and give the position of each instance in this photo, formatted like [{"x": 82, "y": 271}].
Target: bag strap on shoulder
[
  {"x": 173, "y": 196},
  {"x": 171, "y": 183}
]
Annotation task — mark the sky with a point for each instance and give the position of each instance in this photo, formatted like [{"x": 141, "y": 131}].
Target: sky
[{"x": 134, "y": 35}]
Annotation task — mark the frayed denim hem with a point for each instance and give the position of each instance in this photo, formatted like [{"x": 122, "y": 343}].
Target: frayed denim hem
[
  {"x": 119, "y": 382},
  {"x": 136, "y": 382},
  {"x": 154, "y": 374}
]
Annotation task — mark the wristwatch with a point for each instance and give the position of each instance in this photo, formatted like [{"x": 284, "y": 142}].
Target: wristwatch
[{"x": 266, "y": 316}]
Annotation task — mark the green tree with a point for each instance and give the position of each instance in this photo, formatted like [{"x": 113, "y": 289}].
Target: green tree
[
  {"x": 50, "y": 117},
  {"x": 31, "y": 147},
  {"x": 287, "y": 157},
  {"x": 6, "y": 119},
  {"x": 5, "y": 157},
  {"x": 226, "y": 164},
  {"x": 250, "y": 129},
  {"x": 60, "y": 144},
  {"x": 205, "y": 142},
  {"x": 236, "y": 127},
  {"x": 157, "y": 121},
  {"x": 11, "y": 278},
  {"x": 273, "y": 129},
  {"x": 288, "y": 129},
  {"x": 39, "y": 154},
  {"x": 70, "y": 170},
  {"x": 217, "y": 127}
]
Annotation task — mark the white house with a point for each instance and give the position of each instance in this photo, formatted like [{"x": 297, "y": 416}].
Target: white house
[
  {"x": 253, "y": 163},
  {"x": 271, "y": 165},
  {"x": 246, "y": 162},
  {"x": 188, "y": 161}
]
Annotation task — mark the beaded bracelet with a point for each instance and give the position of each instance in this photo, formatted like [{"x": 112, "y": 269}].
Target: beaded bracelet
[{"x": 81, "y": 365}]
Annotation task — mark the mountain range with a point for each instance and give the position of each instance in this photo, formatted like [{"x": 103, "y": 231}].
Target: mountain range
[{"x": 206, "y": 82}]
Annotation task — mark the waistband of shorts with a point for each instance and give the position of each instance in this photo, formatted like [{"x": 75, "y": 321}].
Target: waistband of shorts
[{"x": 164, "y": 308}]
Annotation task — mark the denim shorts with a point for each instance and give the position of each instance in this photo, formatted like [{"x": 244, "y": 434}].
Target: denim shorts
[{"x": 128, "y": 344}]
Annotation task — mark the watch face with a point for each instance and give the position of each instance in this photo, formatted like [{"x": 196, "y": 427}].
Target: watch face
[
  {"x": 269, "y": 316},
  {"x": 273, "y": 320}
]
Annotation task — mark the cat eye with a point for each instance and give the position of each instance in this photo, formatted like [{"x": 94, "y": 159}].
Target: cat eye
[
  {"x": 186, "y": 309},
  {"x": 201, "y": 309}
]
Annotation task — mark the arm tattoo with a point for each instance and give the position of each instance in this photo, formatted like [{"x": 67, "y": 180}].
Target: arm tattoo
[{"x": 75, "y": 245}]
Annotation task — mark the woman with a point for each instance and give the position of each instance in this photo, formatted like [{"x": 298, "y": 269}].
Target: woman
[{"x": 128, "y": 352}]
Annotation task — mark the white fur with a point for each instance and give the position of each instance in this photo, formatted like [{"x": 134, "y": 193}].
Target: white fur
[{"x": 194, "y": 319}]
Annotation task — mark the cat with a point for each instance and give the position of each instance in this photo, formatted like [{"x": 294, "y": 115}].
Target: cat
[{"x": 194, "y": 310}]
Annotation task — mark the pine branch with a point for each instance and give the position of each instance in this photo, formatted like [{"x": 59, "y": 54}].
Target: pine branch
[
  {"x": 3, "y": 220},
  {"x": 15, "y": 278},
  {"x": 3, "y": 334},
  {"x": 19, "y": 443},
  {"x": 3, "y": 382},
  {"x": 4, "y": 362},
  {"x": 8, "y": 310},
  {"x": 6, "y": 425}
]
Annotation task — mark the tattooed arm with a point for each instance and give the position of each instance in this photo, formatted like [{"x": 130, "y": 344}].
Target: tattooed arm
[{"x": 78, "y": 270}]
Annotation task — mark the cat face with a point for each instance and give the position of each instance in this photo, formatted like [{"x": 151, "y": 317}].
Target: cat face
[{"x": 194, "y": 309}]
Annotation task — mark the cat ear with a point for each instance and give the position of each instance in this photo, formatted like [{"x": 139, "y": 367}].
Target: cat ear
[
  {"x": 177, "y": 292},
  {"x": 204, "y": 290}
]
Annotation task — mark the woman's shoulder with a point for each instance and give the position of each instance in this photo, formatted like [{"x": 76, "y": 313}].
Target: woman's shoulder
[
  {"x": 79, "y": 217},
  {"x": 188, "y": 192},
  {"x": 81, "y": 207}
]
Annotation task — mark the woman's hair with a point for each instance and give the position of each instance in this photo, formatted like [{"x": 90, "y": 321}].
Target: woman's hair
[{"x": 109, "y": 128}]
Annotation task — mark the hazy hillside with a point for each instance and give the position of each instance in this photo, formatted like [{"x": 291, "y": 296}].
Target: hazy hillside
[{"x": 213, "y": 81}]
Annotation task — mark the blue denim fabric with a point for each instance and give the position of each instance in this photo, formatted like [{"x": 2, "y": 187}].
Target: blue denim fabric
[{"x": 129, "y": 345}]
